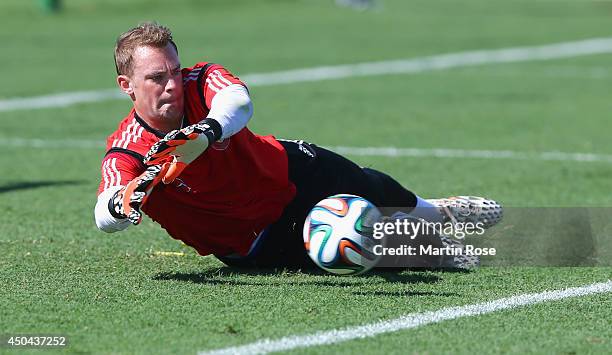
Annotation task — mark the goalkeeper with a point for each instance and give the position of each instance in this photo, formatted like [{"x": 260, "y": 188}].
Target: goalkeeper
[{"x": 184, "y": 156}]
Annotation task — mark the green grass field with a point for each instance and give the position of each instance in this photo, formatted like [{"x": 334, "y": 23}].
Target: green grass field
[{"x": 118, "y": 294}]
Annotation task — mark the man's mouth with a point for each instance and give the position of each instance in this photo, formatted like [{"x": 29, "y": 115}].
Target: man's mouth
[{"x": 168, "y": 102}]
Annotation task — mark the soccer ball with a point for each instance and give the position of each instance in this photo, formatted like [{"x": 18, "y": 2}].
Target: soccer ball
[{"x": 338, "y": 234}]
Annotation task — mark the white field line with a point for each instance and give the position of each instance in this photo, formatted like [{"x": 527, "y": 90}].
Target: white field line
[
  {"x": 60, "y": 100},
  {"x": 51, "y": 143},
  {"x": 357, "y": 151},
  {"x": 552, "y": 71},
  {"x": 402, "y": 66},
  {"x": 470, "y": 154},
  {"x": 408, "y": 321}
]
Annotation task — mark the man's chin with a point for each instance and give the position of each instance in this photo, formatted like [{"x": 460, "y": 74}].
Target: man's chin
[{"x": 171, "y": 114}]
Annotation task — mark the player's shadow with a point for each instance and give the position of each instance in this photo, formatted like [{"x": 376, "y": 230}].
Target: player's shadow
[
  {"x": 28, "y": 185},
  {"x": 253, "y": 277}
]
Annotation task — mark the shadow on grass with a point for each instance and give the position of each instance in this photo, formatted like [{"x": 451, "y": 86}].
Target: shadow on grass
[
  {"x": 27, "y": 185},
  {"x": 240, "y": 276}
]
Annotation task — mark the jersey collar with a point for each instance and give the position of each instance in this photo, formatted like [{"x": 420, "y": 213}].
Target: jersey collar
[{"x": 150, "y": 129}]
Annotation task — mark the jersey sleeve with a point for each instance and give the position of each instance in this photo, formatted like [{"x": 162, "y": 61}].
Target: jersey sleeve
[
  {"x": 217, "y": 78},
  {"x": 118, "y": 169}
]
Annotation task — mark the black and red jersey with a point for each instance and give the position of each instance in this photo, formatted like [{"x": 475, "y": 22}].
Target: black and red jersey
[{"x": 223, "y": 199}]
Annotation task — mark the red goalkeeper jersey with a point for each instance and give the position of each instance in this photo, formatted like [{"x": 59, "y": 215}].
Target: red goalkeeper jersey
[{"x": 223, "y": 199}]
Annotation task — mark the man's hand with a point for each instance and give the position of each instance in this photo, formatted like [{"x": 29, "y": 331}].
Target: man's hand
[
  {"x": 127, "y": 202},
  {"x": 184, "y": 146}
]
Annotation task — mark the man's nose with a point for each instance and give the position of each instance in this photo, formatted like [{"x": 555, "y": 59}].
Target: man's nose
[{"x": 172, "y": 83}]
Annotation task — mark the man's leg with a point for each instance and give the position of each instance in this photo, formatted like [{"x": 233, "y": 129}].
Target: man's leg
[{"x": 318, "y": 173}]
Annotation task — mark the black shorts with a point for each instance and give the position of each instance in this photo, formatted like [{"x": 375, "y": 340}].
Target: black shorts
[{"x": 317, "y": 173}]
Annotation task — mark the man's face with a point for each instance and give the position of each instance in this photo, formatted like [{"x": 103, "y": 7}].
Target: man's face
[{"x": 157, "y": 84}]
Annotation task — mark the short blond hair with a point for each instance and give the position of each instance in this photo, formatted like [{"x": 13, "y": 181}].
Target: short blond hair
[{"x": 145, "y": 34}]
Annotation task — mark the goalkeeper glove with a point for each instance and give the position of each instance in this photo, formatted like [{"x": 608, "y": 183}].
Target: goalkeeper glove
[
  {"x": 127, "y": 202},
  {"x": 184, "y": 145}
]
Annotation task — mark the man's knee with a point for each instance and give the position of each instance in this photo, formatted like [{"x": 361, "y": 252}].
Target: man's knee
[{"x": 392, "y": 193}]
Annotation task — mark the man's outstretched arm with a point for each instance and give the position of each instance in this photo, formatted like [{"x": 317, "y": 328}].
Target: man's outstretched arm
[
  {"x": 121, "y": 194},
  {"x": 106, "y": 220},
  {"x": 231, "y": 109}
]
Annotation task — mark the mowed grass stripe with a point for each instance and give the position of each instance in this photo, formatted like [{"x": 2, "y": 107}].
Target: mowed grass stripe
[
  {"x": 409, "y": 321},
  {"x": 402, "y": 66}
]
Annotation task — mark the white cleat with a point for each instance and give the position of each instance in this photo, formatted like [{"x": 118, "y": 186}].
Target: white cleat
[
  {"x": 461, "y": 260},
  {"x": 463, "y": 209}
]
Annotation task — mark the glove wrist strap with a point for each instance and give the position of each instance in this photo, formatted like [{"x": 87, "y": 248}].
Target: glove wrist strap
[
  {"x": 214, "y": 131},
  {"x": 114, "y": 205}
]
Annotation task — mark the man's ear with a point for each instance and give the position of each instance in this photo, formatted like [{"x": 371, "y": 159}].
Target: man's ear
[{"x": 125, "y": 84}]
